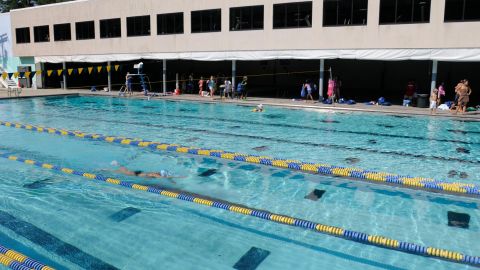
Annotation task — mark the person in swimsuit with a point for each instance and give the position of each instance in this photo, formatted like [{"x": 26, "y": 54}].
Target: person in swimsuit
[
  {"x": 211, "y": 86},
  {"x": 464, "y": 91},
  {"x": 151, "y": 175},
  {"x": 200, "y": 86}
]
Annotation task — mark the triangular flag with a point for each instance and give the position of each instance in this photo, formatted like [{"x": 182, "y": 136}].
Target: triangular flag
[
  {"x": 15, "y": 75},
  {"x": 80, "y": 70},
  {"x": 116, "y": 67},
  {"x": 90, "y": 70},
  {"x": 109, "y": 68},
  {"x": 49, "y": 72},
  {"x": 10, "y": 75},
  {"x": 21, "y": 74},
  {"x": 4, "y": 75},
  {"x": 38, "y": 73},
  {"x": 27, "y": 74},
  {"x": 59, "y": 72},
  {"x": 99, "y": 69},
  {"x": 70, "y": 70}
]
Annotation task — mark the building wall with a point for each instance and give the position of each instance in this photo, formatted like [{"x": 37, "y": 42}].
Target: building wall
[
  {"x": 8, "y": 62},
  {"x": 435, "y": 34}
]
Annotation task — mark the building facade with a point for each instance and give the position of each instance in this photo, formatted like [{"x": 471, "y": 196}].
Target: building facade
[{"x": 250, "y": 30}]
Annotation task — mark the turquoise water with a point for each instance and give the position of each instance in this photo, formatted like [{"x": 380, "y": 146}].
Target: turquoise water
[{"x": 180, "y": 235}]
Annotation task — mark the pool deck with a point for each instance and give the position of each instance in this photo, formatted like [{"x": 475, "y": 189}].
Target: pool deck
[{"x": 253, "y": 101}]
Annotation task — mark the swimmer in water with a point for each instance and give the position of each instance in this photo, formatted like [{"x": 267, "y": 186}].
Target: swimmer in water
[
  {"x": 151, "y": 175},
  {"x": 259, "y": 108}
]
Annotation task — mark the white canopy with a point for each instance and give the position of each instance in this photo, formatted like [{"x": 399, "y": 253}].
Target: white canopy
[{"x": 455, "y": 55}]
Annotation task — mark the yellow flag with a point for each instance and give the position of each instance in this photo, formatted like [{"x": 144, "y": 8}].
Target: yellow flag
[
  {"x": 70, "y": 70},
  {"x": 59, "y": 71},
  {"x": 80, "y": 70},
  {"x": 15, "y": 75},
  {"x": 117, "y": 67},
  {"x": 99, "y": 68},
  {"x": 4, "y": 75},
  {"x": 38, "y": 73},
  {"x": 27, "y": 74},
  {"x": 49, "y": 72},
  {"x": 109, "y": 68},
  {"x": 90, "y": 70}
]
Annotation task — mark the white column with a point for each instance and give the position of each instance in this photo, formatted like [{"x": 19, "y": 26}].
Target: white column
[
  {"x": 321, "y": 78},
  {"x": 164, "y": 76},
  {"x": 109, "y": 65},
  {"x": 434, "y": 74},
  {"x": 64, "y": 75},
  {"x": 234, "y": 74},
  {"x": 177, "y": 85}
]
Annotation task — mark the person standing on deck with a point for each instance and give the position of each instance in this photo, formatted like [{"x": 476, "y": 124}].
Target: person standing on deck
[{"x": 201, "y": 82}]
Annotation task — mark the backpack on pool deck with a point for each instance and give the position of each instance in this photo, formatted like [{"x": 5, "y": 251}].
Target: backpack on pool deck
[{"x": 303, "y": 93}]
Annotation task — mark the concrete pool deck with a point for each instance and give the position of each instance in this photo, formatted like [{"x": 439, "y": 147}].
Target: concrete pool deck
[{"x": 253, "y": 101}]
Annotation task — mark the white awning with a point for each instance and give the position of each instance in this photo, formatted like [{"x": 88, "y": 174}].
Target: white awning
[{"x": 454, "y": 55}]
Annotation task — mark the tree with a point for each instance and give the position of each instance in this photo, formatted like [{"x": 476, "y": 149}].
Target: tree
[{"x": 7, "y": 5}]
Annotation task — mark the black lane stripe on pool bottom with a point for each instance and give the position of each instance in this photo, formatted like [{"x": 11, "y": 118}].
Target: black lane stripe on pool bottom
[
  {"x": 52, "y": 243},
  {"x": 270, "y": 124},
  {"x": 270, "y": 139},
  {"x": 252, "y": 259},
  {"x": 124, "y": 214}
]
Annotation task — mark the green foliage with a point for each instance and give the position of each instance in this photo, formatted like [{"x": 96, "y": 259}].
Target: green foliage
[{"x": 7, "y": 5}]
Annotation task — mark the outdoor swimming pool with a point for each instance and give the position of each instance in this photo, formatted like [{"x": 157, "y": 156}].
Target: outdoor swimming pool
[{"x": 70, "y": 223}]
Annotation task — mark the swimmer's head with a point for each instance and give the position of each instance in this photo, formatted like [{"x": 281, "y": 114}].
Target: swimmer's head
[{"x": 114, "y": 163}]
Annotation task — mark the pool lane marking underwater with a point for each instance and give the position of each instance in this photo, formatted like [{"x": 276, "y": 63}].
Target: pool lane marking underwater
[
  {"x": 422, "y": 183},
  {"x": 360, "y": 237},
  {"x": 17, "y": 261},
  {"x": 305, "y": 143},
  {"x": 273, "y": 124}
]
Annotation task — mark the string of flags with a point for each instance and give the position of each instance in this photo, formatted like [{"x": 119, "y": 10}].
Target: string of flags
[{"x": 61, "y": 72}]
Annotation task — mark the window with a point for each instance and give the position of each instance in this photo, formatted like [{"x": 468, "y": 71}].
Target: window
[
  {"x": 345, "y": 12},
  {"x": 171, "y": 23},
  {"x": 246, "y": 18},
  {"x": 85, "y": 30},
  {"x": 23, "y": 35},
  {"x": 206, "y": 21},
  {"x": 138, "y": 26},
  {"x": 462, "y": 10},
  {"x": 404, "y": 11},
  {"x": 41, "y": 33},
  {"x": 62, "y": 32},
  {"x": 292, "y": 15},
  {"x": 110, "y": 28}
]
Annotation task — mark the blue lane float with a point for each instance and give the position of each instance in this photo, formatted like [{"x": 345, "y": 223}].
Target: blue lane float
[
  {"x": 422, "y": 183},
  {"x": 375, "y": 240},
  {"x": 17, "y": 261}
]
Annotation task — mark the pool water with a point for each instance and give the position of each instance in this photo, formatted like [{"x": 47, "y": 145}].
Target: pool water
[{"x": 72, "y": 223}]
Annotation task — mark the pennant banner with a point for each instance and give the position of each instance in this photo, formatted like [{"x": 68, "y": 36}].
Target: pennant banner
[
  {"x": 116, "y": 67},
  {"x": 10, "y": 75},
  {"x": 27, "y": 74},
  {"x": 99, "y": 69},
  {"x": 38, "y": 72},
  {"x": 15, "y": 75},
  {"x": 70, "y": 70},
  {"x": 80, "y": 70},
  {"x": 109, "y": 68},
  {"x": 90, "y": 70},
  {"x": 4, "y": 75},
  {"x": 49, "y": 72},
  {"x": 59, "y": 72},
  {"x": 21, "y": 74}
]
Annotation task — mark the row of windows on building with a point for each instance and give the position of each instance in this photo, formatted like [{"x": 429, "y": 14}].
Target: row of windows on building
[{"x": 288, "y": 15}]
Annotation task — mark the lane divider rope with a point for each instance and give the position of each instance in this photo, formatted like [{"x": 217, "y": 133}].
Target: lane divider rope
[
  {"x": 375, "y": 240},
  {"x": 427, "y": 184},
  {"x": 17, "y": 261}
]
